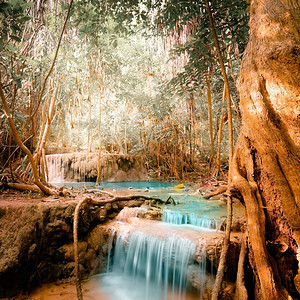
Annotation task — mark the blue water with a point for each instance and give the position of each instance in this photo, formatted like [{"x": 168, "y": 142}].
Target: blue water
[
  {"x": 146, "y": 267},
  {"x": 189, "y": 209},
  {"x": 141, "y": 185},
  {"x": 179, "y": 218}
]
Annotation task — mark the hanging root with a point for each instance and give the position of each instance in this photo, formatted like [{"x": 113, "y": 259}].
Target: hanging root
[
  {"x": 75, "y": 237},
  {"x": 90, "y": 200},
  {"x": 240, "y": 290},
  {"x": 222, "y": 263}
]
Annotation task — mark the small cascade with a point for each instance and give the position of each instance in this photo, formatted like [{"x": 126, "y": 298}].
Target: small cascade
[
  {"x": 176, "y": 217},
  {"x": 82, "y": 167},
  {"x": 147, "y": 267},
  {"x": 71, "y": 167},
  {"x": 55, "y": 168}
]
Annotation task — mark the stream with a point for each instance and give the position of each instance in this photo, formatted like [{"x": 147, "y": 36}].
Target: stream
[{"x": 160, "y": 260}]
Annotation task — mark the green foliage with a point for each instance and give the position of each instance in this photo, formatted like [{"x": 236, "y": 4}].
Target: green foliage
[
  {"x": 114, "y": 58},
  {"x": 231, "y": 22},
  {"x": 13, "y": 16}
]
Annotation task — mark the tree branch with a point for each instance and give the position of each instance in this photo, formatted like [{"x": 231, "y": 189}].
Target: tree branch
[
  {"x": 15, "y": 134},
  {"x": 53, "y": 62}
]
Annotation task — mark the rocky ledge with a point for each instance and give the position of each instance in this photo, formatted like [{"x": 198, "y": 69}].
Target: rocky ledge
[{"x": 36, "y": 239}]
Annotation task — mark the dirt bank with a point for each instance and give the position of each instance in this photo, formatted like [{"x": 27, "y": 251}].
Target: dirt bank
[{"x": 36, "y": 236}]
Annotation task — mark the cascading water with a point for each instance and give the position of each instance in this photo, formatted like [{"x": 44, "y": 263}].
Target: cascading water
[
  {"x": 176, "y": 217},
  {"x": 71, "y": 166},
  {"x": 83, "y": 167},
  {"x": 147, "y": 267},
  {"x": 55, "y": 168}
]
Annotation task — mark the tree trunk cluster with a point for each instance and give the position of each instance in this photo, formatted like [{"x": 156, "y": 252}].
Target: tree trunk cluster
[{"x": 266, "y": 164}]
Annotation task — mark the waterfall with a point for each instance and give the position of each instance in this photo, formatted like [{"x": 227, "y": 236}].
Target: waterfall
[
  {"x": 204, "y": 221},
  {"x": 55, "y": 168},
  {"x": 147, "y": 267},
  {"x": 176, "y": 217},
  {"x": 82, "y": 167},
  {"x": 71, "y": 167}
]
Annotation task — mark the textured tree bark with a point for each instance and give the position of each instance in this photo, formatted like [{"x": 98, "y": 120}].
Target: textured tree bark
[{"x": 266, "y": 162}]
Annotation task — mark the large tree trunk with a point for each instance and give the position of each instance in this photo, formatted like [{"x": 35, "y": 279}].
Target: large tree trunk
[{"x": 266, "y": 162}]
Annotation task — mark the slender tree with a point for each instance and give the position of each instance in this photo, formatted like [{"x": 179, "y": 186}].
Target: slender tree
[{"x": 16, "y": 137}]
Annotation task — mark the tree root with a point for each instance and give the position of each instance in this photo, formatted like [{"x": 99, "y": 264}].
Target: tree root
[
  {"x": 124, "y": 198},
  {"x": 270, "y": 283},
  {"x": 90, "y": 200},
  {"x": 240, "y": 290},
  {"x": 221, "y": 267},
  {"x": 215, "y": 193}
]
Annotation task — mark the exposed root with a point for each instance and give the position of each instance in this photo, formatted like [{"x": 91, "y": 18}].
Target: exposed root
[
  {"x": 222, "y": 263},
  {"x": 240, "y": 290},
  {"x": 124, "y": 198},
  {"x": 23, "y": 187},
  {"x": 215, "y": 193},
  {"x": 270, "y": 284}
]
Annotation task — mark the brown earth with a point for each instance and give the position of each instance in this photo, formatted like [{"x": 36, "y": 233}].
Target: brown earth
[{"x": 36, "y": 238}]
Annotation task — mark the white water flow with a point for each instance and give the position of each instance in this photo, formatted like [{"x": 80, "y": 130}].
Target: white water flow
[
  {"x": 154, "y": 264},
  {"x": 154, "y": 260},
  {"x": 71, "y": 166},
  {"x": 179, "y": 218},
  {"x": 149, "y": 268}
]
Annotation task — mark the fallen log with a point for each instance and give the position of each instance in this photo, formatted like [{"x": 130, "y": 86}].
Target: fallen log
[{"x": 23, "y": 187}]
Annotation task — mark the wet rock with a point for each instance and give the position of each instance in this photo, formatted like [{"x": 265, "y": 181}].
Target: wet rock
[
  {"x": 150, "y": 212},
  {"x": 115, "y": 206},
  {"x": 102, "y": 214},
  {"x": 200, "y": 282},
  {"x": 239, "y": 224}
]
